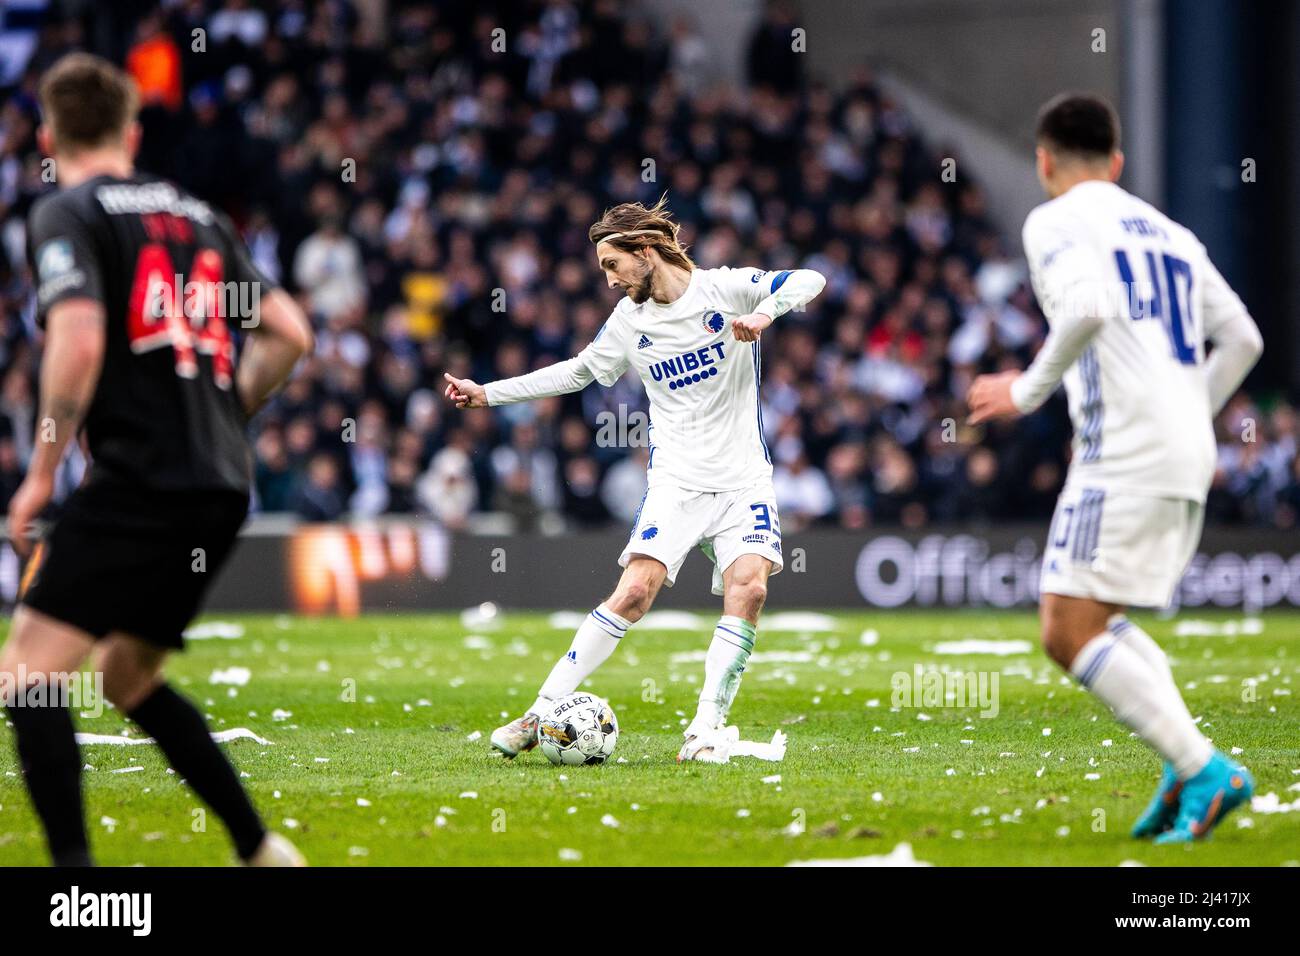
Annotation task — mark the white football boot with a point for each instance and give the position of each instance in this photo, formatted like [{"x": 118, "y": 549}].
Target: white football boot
[
  {"x": 276, "y": 850},
  {"x": 516, "y": 737},
  {"x": 708, "y": 745}
]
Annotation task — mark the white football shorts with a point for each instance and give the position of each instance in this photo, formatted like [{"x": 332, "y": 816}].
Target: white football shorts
[
  {"x": 725, "y": 525},
  {"x": 1120, "y": 548}
]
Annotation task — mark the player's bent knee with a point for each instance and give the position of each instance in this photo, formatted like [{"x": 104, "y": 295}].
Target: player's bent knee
[
  {"x": 127, "y": 688},
  {"x": 1058, "y": 645},
  {"x": 40, "y": 644},
  {"x": 633, "y": 598},
  {"x": 749, "y": 596},
  {"x": 131, "y": 670}
]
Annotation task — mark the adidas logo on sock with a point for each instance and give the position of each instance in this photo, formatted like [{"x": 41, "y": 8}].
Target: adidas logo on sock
[
  {"x": 572, "y": 657},
  {"x": 645, "y": 343}
]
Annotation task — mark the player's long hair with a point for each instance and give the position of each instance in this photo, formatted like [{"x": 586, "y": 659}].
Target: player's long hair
[{"x": 641, "y": 227}]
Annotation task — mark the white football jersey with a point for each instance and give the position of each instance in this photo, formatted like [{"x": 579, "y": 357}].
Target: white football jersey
[
  {"x": 706, "y": 429},
  {"x": 1138, "y": 394}
]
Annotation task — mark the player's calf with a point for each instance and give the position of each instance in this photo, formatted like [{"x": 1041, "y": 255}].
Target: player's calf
[{"x": 724, "y": 664}]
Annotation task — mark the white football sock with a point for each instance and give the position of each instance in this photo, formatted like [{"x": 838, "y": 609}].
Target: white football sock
[
  {"x": 595, "y": 640},
  {"x": 1141, "y": 641},
  {"x": 1144, "y": 700},
  {"x": 733, "y": 641}
]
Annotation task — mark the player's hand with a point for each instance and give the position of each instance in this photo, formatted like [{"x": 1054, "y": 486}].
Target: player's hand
[
  {"x": 464, "y": 392},
  {"x": 990, "y": 397},
  {"x": 748, "y": 328},
  {"x": 28, "y": 501}
]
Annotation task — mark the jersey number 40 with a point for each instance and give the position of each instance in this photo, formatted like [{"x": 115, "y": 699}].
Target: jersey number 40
[{"x": 1177, "y": 276}]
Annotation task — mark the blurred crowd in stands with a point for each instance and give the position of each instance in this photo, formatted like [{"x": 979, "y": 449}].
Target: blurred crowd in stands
[{"x": 424, "y": 183}]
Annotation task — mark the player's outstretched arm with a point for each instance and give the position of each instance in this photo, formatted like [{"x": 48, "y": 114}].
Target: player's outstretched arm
[
  {"x": 788, "y": 290},
  {"x": 1013, "y": 393},
  {"x": 281, "y": 336},
  {"x": 561, "y": 378},
  {"x": 74, "y": 355}
]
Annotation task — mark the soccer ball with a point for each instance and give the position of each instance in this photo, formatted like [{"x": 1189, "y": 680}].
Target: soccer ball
[{"x": 577, "y": 729}]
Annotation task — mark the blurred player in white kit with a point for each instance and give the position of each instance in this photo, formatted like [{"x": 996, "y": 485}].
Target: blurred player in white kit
[{"x": 1131, "y": 298}]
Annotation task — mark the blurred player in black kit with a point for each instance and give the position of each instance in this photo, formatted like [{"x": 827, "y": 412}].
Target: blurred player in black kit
[{"x": 139, "y": 287}]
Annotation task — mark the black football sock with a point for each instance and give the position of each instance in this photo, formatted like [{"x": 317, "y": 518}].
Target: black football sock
[
  {"x": 183, "y": 735},
  {"x": 47, "y": 752}
]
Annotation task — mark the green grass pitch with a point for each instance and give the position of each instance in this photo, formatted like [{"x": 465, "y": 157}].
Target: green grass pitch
[{"x": 379, "y": 754}]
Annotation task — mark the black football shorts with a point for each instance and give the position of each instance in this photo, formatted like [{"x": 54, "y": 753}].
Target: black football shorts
[{"x": 133, "y": 560}]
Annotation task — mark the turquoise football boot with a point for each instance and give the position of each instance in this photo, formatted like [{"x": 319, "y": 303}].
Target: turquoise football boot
[
  {"x": 1161, "y": 812},
  {"x": 1207, "y": 798}
]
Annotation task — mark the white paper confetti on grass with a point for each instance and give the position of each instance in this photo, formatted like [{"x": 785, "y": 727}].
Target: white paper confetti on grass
[
  {"x": 976, "y": 646},
  {"x": 221, "y": 737},
  {"x": 730, "y": 745},
  {"x": 214, "y": 630},
  {"x": 568, "y": 855},
  {"x": 474, "y": 736},
  {"x": 1272, "y": 803},
  {"x": 238, "y": 733},
  {"x": 485, "y": 615},
  {"x": 799, "y": 621},
  {"x": 235, "y": 676},
  {"x": 901, "y": 855},
  {"x": 469, "y": 795},
  {"x": 1198, "y": 628},
  {"x": 609, "y": 821}
]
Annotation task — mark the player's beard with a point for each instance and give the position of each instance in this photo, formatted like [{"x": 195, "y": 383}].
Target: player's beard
[{"x": 639, "y": 291}]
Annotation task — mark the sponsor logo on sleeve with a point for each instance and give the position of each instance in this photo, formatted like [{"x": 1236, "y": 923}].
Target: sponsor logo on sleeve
[{"x": 56, "y": 269}]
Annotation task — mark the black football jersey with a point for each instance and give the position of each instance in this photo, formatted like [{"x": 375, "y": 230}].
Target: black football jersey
[{"x": 178, "y": 287}]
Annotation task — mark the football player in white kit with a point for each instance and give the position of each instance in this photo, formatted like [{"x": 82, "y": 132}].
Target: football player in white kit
[
  {"x": 692, "y": 335},
  {"x": 1131, "y": 298}
]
